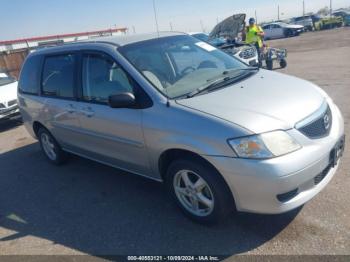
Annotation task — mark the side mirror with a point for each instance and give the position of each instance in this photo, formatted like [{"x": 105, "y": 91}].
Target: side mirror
[{"x": 122, "y": 100}]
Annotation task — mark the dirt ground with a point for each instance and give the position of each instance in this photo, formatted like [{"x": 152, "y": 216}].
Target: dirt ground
[{"x": 86, "y": 208}]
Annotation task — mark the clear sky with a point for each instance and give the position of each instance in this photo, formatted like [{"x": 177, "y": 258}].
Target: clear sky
[{"x": 27, "y": 18}]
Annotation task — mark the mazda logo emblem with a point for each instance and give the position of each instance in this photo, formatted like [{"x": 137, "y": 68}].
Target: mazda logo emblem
[{"x": 326, "y": 122}]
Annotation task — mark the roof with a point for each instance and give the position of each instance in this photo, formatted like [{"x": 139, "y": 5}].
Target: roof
[
  {"x": 114, "y": 40},
  {"x": 50, "y": 37},
  {"x": 196, "y": 33},
  {"x": 129, "y": 39}
]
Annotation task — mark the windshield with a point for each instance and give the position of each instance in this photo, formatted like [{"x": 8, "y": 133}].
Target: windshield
[
  {"x": 179, "y": 65},
  {"x": 5, "y": 79}
]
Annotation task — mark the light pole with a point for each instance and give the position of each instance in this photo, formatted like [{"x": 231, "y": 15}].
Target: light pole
[
  {"x": 155, "y": 16},
  {"x": 256, "y": 18},
  {"x": 202, "y": 26}
]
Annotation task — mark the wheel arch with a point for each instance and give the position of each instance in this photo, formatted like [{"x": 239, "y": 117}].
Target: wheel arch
[
  {"x": 170, "y": 155},
  {"x": 36, "y": 127}
]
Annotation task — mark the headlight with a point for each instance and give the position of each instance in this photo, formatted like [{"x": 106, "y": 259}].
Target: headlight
[{"x": 267, "y": 145}]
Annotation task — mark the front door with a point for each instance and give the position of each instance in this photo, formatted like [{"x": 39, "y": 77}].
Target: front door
[{"x": 110, "y": 135}]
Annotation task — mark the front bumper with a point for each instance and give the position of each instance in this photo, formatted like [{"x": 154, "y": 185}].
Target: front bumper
[
  {"x": 258, "y": 184},
  {"x": 9, "y": 112}
]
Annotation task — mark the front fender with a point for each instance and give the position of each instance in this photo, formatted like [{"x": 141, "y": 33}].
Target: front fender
[{"x": 178, "y": 127}]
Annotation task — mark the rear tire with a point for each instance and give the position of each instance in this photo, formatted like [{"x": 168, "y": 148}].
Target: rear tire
[
  {"x": 51, "y": 148},
  {"x": 199, "y": 191},
  {"x": 269, "y": 64}
]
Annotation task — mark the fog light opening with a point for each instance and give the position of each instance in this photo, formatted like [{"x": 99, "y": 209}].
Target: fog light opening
[{"x": 288, "y": 196}]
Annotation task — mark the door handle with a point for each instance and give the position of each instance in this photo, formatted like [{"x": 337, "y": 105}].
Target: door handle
[{"x": 87, "y": 111}]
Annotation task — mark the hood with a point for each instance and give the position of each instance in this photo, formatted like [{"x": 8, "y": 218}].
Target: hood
[
  {"x": 264, "y": 102},
  {"x": 8, "y": 92},
  {"x": 294, "y": 26},
  {"x": 230, "y": 27}
]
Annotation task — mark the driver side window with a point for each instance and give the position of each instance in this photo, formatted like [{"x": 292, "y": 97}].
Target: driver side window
[{"x": 103, "y": 77}]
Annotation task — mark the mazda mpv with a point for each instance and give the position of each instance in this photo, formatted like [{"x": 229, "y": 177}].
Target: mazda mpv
[{"x": 222, "y": 136}]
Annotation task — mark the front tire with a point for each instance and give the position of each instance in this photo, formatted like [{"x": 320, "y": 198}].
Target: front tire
[
  {"x": 283, "y": 63},
  {"x": 50, "y": 147},
  {"x": 288, "y": 33},
  {"x": 199, "y": 191}
]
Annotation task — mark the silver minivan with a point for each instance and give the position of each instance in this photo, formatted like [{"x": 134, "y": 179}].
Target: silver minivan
[{"x": 222, "y": 136}]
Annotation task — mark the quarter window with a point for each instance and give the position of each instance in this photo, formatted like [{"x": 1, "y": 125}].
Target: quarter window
[
  {"x": 30, "y": 76},
  {"x": 58, "y": 76},
  {"x": 103, "y": 77}
]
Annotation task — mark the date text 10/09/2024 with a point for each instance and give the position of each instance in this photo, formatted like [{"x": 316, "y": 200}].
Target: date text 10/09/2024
[{"x": 173, "y": 258}]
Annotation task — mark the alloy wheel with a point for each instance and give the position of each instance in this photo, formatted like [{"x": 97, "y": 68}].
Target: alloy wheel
[
  {"x": 48, "y": 146},
  {"x": 194, "y": 193}
]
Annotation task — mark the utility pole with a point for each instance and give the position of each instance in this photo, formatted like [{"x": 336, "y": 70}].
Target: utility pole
[
  {"x": 155, "y": 16},
  {"x": 133, "y": 29},
  {"x": 303, "y": 7},
  {"x": 278, "y": 16},
  {"x": 201, "y": 22},
  {"x": 331, "y": 7},
  {"x": 171, "y": 26},
  {"x": 256, "y": 18}
]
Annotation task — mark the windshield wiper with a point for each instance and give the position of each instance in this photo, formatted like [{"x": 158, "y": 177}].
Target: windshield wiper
[
  {"x": 232, "y": 71},
  {"x": 217, "y": 82}
]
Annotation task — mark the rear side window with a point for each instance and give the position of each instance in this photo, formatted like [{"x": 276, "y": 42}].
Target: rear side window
[
  {"x": 58, "y": 76},
  {"x": 29, "y": 80}
]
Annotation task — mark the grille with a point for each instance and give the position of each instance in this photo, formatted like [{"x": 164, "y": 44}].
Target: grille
[
  {"x": 247, "y": 53},
  {"x": 12, "y": 102},
  {"x": 318, "y": 179},
  {"x": 319, "y": 127}
]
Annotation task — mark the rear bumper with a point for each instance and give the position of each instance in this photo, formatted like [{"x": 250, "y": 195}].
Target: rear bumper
[{"x": 281, "y": 184}]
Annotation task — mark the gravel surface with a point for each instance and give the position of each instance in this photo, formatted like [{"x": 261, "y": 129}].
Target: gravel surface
[{"x": 87, "y": 208}]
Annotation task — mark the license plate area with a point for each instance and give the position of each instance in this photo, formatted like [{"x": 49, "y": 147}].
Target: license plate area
[{"x": 337, "y": 152}]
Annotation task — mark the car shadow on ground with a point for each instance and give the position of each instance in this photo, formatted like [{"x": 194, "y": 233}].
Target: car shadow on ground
[
  {"x": 8, "y": 124},
  {"x": 99, "y": 210}
]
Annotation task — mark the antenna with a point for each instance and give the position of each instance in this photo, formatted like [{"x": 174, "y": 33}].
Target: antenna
[{"x": 155, "y": 16}]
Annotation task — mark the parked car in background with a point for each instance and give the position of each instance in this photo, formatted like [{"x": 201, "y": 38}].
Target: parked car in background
[
  {"x": 305, "y": 21},
  {"x": 8, "y": 96},
  {"x": 345, "y": 15},
  {"x": 222, "y": 136},
  {"x": 280, "y": 30},
  {"x": 327, "y": 22},
  {"x": 243, "y": 52}
]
